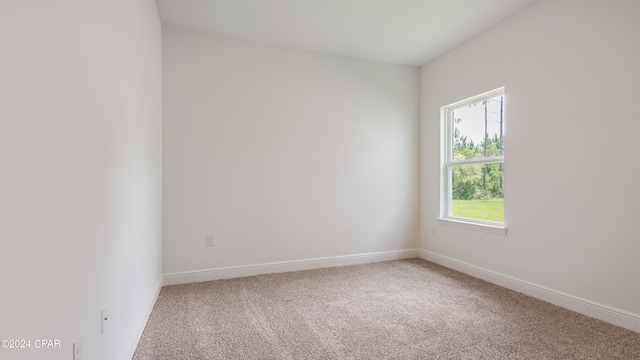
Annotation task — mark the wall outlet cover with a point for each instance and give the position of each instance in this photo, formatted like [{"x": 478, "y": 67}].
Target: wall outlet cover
[
  {"x": 77, "y": 349},
  {"x": 104, "y": 320}
]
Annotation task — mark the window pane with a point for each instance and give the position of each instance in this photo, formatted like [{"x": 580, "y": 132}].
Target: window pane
[
  {"x": 478, "y": 129},
  {"x": 478, "y": 192}
]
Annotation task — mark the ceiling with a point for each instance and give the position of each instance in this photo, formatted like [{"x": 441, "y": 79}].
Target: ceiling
[{"x": 406, "y": 32}]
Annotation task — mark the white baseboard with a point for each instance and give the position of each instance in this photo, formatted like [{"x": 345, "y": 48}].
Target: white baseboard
[
  {"x": 590, "y": 308},
  {"x": 142, "y": 324},
  {"x": 186, "y": 277}
]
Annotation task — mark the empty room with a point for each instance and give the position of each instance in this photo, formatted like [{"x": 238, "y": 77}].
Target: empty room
[{"x": 321, "y": 179}]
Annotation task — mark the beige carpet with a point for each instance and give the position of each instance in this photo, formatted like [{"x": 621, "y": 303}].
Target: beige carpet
[{"x": 408, "y": 309}]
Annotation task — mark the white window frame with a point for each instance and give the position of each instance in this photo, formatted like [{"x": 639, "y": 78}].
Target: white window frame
[{"x": 446, "y": 165}]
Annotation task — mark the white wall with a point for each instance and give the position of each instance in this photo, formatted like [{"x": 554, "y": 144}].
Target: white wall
[
  {"x": 81, "y": 166},
  {"x": 284, "y": 154},
  {"x": 572, "y": 200}
]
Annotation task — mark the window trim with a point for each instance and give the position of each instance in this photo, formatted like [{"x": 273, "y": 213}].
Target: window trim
[{"x": 446, "y": 166}]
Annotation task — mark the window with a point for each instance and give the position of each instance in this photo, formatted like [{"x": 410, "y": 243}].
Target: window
[{"x": 473, "y": 163}]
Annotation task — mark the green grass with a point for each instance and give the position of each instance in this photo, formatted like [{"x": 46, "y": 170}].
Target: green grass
[{"x": 489, "y": 210}]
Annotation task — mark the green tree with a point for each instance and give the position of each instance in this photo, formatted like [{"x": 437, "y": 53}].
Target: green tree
[{"x": 476, "y": 181}]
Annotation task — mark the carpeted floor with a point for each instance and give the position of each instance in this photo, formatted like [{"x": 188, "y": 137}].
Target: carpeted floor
[{"x": 407, "y": 309}]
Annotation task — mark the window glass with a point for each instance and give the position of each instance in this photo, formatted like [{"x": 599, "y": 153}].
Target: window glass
[
  {"x": 475, "y": 125},
  {"x": 477, "y": 192}
]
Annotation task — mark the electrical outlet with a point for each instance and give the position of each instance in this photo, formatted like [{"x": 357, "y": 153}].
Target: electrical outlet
[
  {"x": 104, "y": 320},
  {"x": 210, "y": 240},
  {"x": 77, "y": 350}
]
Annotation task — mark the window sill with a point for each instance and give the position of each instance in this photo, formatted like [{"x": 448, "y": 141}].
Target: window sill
[{"x": 475, "y": 226}]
